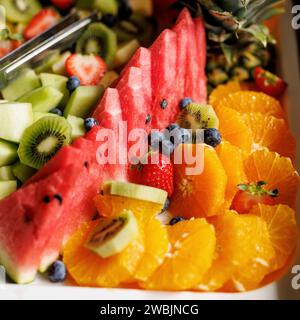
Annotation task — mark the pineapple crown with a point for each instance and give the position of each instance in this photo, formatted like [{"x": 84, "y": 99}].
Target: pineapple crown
[{"x": 239, "y": 19}]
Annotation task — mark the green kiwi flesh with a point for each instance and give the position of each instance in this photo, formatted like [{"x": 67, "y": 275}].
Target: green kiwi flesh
[
  {"x": 43, "y": 140},
  {"x": 20, "y": 10}
]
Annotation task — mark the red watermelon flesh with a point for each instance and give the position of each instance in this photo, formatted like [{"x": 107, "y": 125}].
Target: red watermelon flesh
[
  {"x": 181, "y": 29},
  {"x": 201, "y": 50},
  {"x": 27, "y": 222},
  {"x": 164, "y": 83}
]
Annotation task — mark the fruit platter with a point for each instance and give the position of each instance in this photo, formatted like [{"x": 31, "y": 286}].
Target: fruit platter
[{"x": 153, "y": 158}]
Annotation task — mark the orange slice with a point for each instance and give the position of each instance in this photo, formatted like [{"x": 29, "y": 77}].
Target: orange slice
[
  {"x": 189, "y": 257},
  {"x": 203, "y": 194},
  {"x": 272, "y": 133},
  {"x": 283, "y": 231},
  {"x": 89, "y": 269},
  {"x": 277, "y": 171},
  {"x": 234, "y": 130},
  {"x": 222, "y": 91},
  {"x": 250, "y": 101},
  {"x": 232, "y": 160},
  {"x": 241, "y": 240}
]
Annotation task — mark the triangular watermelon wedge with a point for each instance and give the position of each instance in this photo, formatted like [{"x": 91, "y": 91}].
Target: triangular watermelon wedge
[{"x": 165, "y": 106}]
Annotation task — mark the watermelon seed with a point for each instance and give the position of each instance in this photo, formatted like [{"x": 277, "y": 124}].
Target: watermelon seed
[
  {"x": 86, "y": 164},
  {"x": 58, "y": 197},
  {"x": 46, "y": 199},
  {"x": 148, "y": 119},
  {"x": 164, "y": 104}
]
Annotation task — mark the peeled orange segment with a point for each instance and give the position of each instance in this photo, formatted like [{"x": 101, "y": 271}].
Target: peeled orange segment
[
  {"x": 232, "y": 160},
  {"x": 250, "y": 101},
  {"x": 283, "y": 231},
  {"x": 192, "y": 246},
  {"x": 155, "y": 234},
  {"x": 156, "y": 247},
  {"x": 272, "y": 133},
  {"x": 260, "y": 253},
  {"x": 203, "y": 194},
  {"x": 241, "y": 240},
  {"x": 222, "y": 91},
  {"x": 234, "y": 130},
  {"x": 109, "y": 206},
  {"x": 278, "y": 172},
  {"x": 89, "y": 269}
]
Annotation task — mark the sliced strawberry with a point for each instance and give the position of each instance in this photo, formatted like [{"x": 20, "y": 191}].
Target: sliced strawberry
[
  {"x": 89, "y": 69},
  {"x": 41, "y": 22},
  {"x": 63, "y": 4},
  {"x": 252, "y": 194}
]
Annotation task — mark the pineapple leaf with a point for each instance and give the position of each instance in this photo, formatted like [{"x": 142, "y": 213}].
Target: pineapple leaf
[
  {"x": 259, "y": 32},
  {"x": 229, "y": 53}
]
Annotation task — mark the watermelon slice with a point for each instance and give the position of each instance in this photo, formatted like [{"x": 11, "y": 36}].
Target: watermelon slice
[
  {"x": 201, "y": 50},
  {"x": 28, "y": 218},
  {"x": 165, "y": 106},
  {"x": 181, "y": 29}
]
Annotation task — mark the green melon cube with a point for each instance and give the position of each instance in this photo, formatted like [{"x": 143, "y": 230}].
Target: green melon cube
[
  {"x": 83, "y": 101},
  {"x": 8, "y": 153},
  {"x": 26, "y": 82},
  {"x": 43, "y": 99},
  {"x": 57, "y": 82},
  {"x": 23, "y": 172},
  {"x": 15, "y": 118},
  {"x": 6, "y": 188},
  {"x": 77, "y": 124},
  {"x": 6, "y": 173}
]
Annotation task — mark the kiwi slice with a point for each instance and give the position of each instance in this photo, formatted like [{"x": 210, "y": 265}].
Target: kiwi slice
[
  {"x": 43, "y": 140},
  {"x": 112, "y": 235},
  {"x": 20, "y": 10},
  {"x": 98, "y": 39},
  {"x": 135, "y": 191},
  {"x": 197, "y": 116}
]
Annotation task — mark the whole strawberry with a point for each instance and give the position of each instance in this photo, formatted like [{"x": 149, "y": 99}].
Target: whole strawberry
[{"x": 158, "y": 175}]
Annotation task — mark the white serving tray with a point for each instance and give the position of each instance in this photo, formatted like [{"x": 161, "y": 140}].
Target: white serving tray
[{"x": 43, "y": 289}]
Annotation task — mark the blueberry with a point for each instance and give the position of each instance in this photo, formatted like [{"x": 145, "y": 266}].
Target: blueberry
[
  {"x": 73, "y": 83},
  {"x": 166, "y": 205},
  {"x": 176, "y": 220},
  {"x": 57, "y": 272},
  {"x": 212, "y": 137},
  {"x": 185, "y": 102},
  {"x": 89, "y": 123},
  {"x": 155, "y": 140},
  {"x": 109, "y": 19},
  {"x": 125, "y": 10},
  {"x": 167, "y": 148},
  {"x": 57, "y": 112}
]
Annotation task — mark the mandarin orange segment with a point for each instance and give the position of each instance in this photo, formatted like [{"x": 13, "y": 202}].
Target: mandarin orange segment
[
  {"x": 272, "y": 133},
  {"x": 201, "y": 194},
  {"x": 283, "y": 231},
  {"x": 89, "y": 269},
  {"x": 192, "y": 246},
  {"x": 250, "y": 101},
  {"x": 241, "y": 240},
  {"x": 156, "y": 247},
  {"x": 232, "y": 160},
  {"x": 260, "y": 252},
  {"x": 234, "y": 130},
  {"x": 278, "y": 172},
  {"x": 110, "y": 205},
  {"x": 222, "y": 91}
]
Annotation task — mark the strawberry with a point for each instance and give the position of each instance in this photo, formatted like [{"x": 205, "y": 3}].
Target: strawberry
[
  {"x": 63, "y": 4},
  {"x": 89, "y": 69},
  {"x": 159, "y": 175},
  {"x": 41, "y": 22},
  {"x": 252, "y": 194},
  {"x": 269, "y": 83}
]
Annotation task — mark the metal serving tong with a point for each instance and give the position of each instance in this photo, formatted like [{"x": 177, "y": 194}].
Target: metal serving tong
[{"x": 60, "y": 37}]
